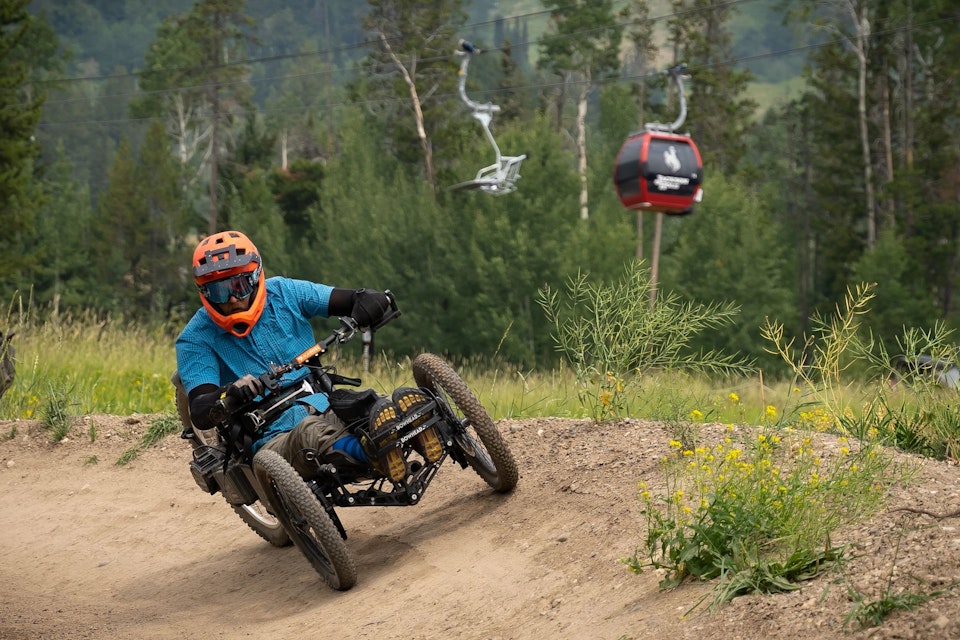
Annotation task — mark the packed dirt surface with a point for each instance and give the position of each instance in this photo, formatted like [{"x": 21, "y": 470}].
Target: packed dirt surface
[{"x": 90, "y": 549}]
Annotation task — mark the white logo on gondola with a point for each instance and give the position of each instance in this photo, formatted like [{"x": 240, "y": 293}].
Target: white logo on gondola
[
  {"x": 672, "y": 159},
  {"x": 670, "y": 183}
]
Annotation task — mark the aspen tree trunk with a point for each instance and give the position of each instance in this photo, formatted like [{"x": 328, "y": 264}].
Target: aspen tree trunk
[
  {"x": 425, "y": 145},
  {"x": 890, "y": 205},
  {"x": 582, "y": 145},
  {"x": 859, "y": 16},
  {"x": 908, "y": 91}
]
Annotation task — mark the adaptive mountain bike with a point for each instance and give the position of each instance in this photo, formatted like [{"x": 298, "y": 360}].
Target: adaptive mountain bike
[{"x": 282, "y": 507}]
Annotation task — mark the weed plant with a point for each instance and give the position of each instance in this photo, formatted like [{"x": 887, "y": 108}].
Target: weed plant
[
  {"x": 907, "y": 409},
  {"x": 612, "y": 336},
  {"x": 757, "y": 509},
  {"x": 920, "y": 414},
  {"x": 759, "y": 512}
]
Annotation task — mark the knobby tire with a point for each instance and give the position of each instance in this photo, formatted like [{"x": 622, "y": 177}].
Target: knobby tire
[
  {"x": 305, "y": 520},
  {"x": 487, "y": 453}
]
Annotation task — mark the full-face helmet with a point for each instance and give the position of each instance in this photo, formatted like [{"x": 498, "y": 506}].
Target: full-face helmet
[{"x": 227, "y": 265}]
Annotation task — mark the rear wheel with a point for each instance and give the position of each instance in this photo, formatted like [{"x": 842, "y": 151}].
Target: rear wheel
[
  {"x": 479, "y": 439},
  {"x": 305, "y": 520},
  {"x": 254, "y": 515}
]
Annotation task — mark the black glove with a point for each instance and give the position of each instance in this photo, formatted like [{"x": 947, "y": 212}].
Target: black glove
[
  {"x": 245, "y": 389},
  {"x": 369, "y": 307}
]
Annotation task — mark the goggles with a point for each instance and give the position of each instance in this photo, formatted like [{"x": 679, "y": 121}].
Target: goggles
[{"x": 239, "y": 286}]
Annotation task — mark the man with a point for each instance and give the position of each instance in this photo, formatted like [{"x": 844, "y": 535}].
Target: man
[{"x": 248, "y": 322}]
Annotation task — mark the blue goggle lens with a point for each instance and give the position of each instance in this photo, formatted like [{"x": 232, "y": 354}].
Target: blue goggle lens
[{"x": 239, "y": 286}]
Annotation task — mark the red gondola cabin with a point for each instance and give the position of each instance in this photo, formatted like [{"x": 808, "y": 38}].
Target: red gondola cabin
[{"x": 659, "y": 171}]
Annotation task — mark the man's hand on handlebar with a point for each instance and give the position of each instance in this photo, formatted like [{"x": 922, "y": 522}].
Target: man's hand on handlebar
[
  {"x": 369, "y": 307},
  {"x": 245, "y": 389}
]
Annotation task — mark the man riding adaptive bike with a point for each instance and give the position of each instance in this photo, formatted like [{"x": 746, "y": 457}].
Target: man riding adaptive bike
[{"x": 248, "y": 323}]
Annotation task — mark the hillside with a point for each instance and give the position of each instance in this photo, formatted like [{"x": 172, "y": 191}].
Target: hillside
[{"x": 93, "y": 550}]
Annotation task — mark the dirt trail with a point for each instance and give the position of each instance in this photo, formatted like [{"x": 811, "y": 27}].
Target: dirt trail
[{"x": 93, "y": 550}]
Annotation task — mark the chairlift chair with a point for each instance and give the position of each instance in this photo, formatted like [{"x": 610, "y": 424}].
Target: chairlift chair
[
  {"x": 657, "y": 169},
  {"x": 499, "y": 178}
]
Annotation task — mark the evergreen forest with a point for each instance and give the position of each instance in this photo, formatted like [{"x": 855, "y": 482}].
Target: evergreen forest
[{"x": 331, "y": 132}]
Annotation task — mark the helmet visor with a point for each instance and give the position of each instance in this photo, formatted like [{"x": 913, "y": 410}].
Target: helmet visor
[{"x": 239, "y": 286}]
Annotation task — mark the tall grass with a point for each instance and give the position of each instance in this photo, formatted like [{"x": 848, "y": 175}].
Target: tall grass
[
  {"x": 88, "y": 364},
  {"x": 76, "y": 365},
  {"x": 85, "y": 364}
]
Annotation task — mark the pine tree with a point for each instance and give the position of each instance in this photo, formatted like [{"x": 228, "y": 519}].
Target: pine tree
[
  {"x": 195, "y": 67},
  {"x": 63, "y": 235},
  {"x": 719, "y": 112},
  {"x": 20, "y": 105},
  {"x": 117, "y": 235},
  {"x": 163, "y": 219},
  {"x": 417, "y": 44}
]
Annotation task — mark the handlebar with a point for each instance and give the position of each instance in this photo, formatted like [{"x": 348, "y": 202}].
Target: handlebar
[{"x": 348, "y": 329}]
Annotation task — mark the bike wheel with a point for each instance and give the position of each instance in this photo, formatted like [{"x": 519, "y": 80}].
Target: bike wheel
[
  {"x": 254, "y": 515},
  {"x": 479, "y": 439},
  {"x": 305, "y": 520}
]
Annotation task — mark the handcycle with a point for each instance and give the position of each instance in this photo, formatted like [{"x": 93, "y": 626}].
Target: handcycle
[{"x": 282, "y": 507}]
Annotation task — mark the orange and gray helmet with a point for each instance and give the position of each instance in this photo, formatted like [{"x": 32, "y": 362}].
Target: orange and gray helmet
[{"x": 227, "y": 265}]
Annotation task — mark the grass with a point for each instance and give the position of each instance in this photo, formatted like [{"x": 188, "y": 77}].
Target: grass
[
  {"x": 88, "y": 365},
  {"x": 867, "y": 613},
  {"x": 120, "y": 369},
  {"x": 159, "y": 429}
]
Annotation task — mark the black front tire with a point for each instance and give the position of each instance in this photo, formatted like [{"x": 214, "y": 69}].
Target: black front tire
[
  {"x": 479, "y": 439},
  {"x": 305, "y": 520}
]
